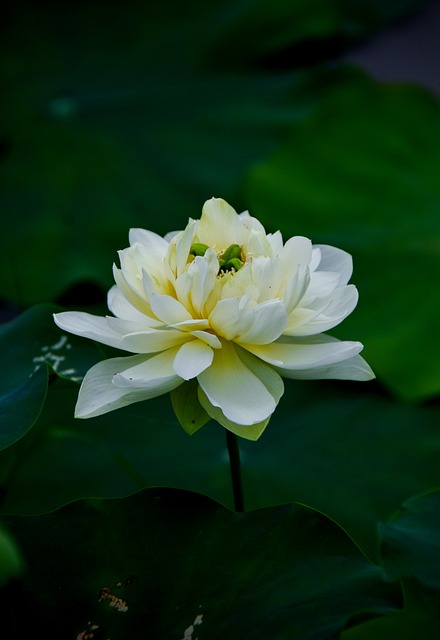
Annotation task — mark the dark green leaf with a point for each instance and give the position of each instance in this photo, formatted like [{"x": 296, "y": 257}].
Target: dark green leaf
[
  {"x": 20, "y": 407},
  {"x": 166, "y": 560}
]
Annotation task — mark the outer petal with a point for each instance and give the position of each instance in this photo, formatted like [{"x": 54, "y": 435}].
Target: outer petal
[
  {"x": 192, "y": 358},
  {"x": 99, "y": 395},
  {"x": 150, "y": 373},
  {"x": 88, "y": 326},
  {"x": 249, "y": 432},
  {"x": 333, "y": 259},
  {"x": 305, "y": 322},
  {"x": 299, "y": 354},
  {"x": 246, "y": 390},
  {"x": 352, "y": 369}
]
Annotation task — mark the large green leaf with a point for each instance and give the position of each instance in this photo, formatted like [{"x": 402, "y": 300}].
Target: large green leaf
[
  {"x": 342, "y": 448},
  {"x": 154, "y": 112},
  {"x": 166, "y": 560},
  {"x": 362, "y": 173},
  {"x": 29, "y": 344}
]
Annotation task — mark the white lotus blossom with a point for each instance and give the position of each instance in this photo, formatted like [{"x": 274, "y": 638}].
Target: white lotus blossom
[{"x": 226, "y": 304}]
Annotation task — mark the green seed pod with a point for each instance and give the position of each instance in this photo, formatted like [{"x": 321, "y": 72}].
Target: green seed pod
[
  {"x": 233, "y": 251},
  {"x": 198, "y": 249},
  {"x": 235, "y": 263}
]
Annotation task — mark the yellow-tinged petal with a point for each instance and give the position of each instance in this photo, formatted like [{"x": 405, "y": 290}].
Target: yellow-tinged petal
[
  {"x": 244, "y": 388},
  {"x": 249, "y": 432},
  {"x": 220, "y": 225}
]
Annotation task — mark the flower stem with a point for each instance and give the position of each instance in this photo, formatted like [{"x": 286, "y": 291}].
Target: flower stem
[{"x": 234, "y": 463}]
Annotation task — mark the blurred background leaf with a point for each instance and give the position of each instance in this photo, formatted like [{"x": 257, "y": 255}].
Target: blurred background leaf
[
  {"x": 362, "y": 173},
  {"x": 167, "y": 560},
  {"x": 11, "y": 561},
  {"x": 134, "y": 114}
]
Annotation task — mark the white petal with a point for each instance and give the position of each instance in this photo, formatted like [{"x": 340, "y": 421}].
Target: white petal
[
  {"x": 154, "y": 374},
  {"x": 352, "y": 369},
  {"x": 341, "y": 304},
  {"x": 196, "y": 283},
  {"x": 168, "y": 309},
  {"x": 121, "y": 308},
  {"x": 207, "y": 337},
  {"x": 171, "y": 234},
  {"x": 322, "y": 284},
  {"x": 192, "y": 358},
  {"x": 246, "y": 390},
  {"x": 134, "y": 297},
  {"x": 296, "y": 288},
  {"x": 267, "y": 322},
  {"x": 251, "y": 223},
  {"x": 316, "y": 258},
  {"x": 88, "y": 326},
  {"x": 257, "y": 244},
  {"x": 183, "y": 246},
  {"x": 267, "y": 275},
  {"x": 155, "y": 244},
  {"x": 151, "y": 372},
  {"x": 99, "y": 395},
  {"x": 153, "y": 340},
  {"x": 229, "y": 317},
  {"x": 333, "y": 259},
  {"x": 276, "y": 242},
  {"x": 249, "y": 432},
  {"x": 296, "y": 251},
  {"x": 295, "y": 354}
]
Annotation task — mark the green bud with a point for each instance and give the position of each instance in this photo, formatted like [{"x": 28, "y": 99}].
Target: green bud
[
  {"x": 221, "y": 264},
  {"x": 233, "y": 251},
  {"x": 198, "y": 249}
]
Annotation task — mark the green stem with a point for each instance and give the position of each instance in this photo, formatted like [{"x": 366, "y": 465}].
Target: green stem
[{"x": 234, "y": 462}]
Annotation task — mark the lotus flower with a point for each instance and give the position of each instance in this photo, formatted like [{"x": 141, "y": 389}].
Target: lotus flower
[{"x": 227, "y": 306}]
